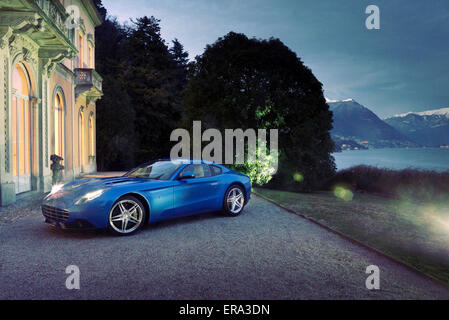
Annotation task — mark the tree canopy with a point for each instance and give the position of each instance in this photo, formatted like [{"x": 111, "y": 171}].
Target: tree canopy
[
  {"x": 143, "y": 81},
  {"x": 250, "y": 83},
  {"x": 151, "y": 89}
]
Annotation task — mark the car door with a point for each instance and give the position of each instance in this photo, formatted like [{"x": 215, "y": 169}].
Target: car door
[{"x": 197, "y": 195}]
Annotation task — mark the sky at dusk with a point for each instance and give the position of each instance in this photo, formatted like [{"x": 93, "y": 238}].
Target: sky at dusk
[{"x": 402, "y": 67}]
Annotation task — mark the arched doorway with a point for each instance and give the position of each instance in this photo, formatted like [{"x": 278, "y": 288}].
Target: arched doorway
[{"x": 21, "y": 128}]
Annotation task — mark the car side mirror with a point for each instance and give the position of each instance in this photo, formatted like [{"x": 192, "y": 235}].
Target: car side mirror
[{"x": 187, "y": 175}]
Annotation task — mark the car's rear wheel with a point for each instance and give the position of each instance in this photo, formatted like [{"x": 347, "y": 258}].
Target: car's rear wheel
[
  {"x": 234, "y": 200},
  {"x": 126, "y": 216}
]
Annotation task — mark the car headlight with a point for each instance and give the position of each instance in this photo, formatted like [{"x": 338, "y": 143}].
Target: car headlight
[
  {"x": 90, "y": 196},
  {"x": 56, "y": 188}
]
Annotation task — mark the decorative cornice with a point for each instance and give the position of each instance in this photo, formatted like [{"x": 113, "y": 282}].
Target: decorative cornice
[
  {"x": 82, "y": 26},
  {"x": 29, "y": 56},
  {"x": 13, "y": 26},
  {"x": 5, "y": 33},
  {"x": 92, "y": 99},
  {"x": 93, "y": 12},
  {"x": 52, "y": 57},
  {"x": 42, "y": 21},
  {"x": 18, "y": 43},
  {"x": 91, "y": 39},
  {"x": 21, "y": 21}
]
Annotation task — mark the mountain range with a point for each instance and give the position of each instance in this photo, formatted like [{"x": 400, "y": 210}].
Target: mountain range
[
  {"x": 354, "y": 122},
  {"x": 428, "y": 128},
  {"x": 357, "y": 127}
]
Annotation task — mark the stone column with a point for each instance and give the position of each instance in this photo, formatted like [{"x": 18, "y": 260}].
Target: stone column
[
  {"x": 44, "y": 181},
  {"x": 7, "y": 186}
]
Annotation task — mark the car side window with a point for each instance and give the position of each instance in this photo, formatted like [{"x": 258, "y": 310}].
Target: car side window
[
  {"x": 200, "y": 170},
  {"x": 215, "y": 170}
]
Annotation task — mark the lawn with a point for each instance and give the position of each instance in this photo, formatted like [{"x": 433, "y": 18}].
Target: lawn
[{"x": 416, "y": 234}]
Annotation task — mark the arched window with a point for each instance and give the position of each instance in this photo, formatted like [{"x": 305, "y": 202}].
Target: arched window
[
  {"x": 20, "y": 124},
  {"x": 59, "y": 125},
  {"x": 81, "y": 139},
  {"x": 91, "y": 135}
]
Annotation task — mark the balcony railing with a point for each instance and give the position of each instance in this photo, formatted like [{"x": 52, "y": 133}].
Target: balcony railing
[
  {"x": 88, "y": 82},
  {"x": 56, "y": 13}
]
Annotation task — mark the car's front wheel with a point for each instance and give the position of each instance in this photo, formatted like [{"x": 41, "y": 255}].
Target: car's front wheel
[
  {"x": 126, "y": 216},
  {"x": 234, "y": 200}
]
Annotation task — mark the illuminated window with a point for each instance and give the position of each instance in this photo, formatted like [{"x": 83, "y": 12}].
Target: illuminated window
[
  {"x": 21, "y": 132},
  {"x": 81, "y": 51},
  {"x": 91, "y": 57},
  {"x": 81, "y": 139},
  {"x": 91, "y": 135},
  {"x": 59, "y": 125}
]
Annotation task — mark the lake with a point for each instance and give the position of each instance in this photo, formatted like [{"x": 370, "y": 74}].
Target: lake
[{"x": 417, "y": 158}]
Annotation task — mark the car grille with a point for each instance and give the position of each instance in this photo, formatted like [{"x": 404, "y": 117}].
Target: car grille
[{"x": 55, "y": 213}]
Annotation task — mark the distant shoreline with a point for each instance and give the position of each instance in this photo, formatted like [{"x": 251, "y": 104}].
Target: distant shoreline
[{"x": 425, "y": 158}]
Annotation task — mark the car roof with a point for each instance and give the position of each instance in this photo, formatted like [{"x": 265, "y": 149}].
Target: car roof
[
  {"x": 187, "y": 161},
  {"x": 184, "y": 161}
]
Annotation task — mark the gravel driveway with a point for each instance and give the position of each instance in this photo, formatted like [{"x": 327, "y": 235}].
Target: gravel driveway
[{"x": 266, "y": 253}]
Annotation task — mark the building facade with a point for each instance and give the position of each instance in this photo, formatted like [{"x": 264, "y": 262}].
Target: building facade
[{"x": 49, "y": 87}]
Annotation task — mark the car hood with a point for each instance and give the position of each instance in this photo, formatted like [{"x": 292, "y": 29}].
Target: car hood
[
  {"x": 98, "y": 183},
  {"x": 78, "y": 188}
]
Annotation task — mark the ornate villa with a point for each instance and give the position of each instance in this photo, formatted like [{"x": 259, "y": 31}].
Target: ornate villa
[{"x": 49, "y": 87}]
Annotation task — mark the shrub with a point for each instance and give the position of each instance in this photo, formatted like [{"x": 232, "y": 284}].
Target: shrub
[{"x": 407, "y": 184}]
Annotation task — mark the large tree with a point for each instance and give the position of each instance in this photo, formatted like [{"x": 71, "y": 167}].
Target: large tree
[
  {"x": 249, "y": 83},
  {"x": 155, "y": 80},
  {"x": 114, "y": 112},
  {"x": 143, "y": 81}
]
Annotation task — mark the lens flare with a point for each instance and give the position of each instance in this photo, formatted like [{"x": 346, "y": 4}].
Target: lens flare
[
  {"x": 56, "y": 188},
  {"x": 436, "y": 218},
  {"x": 298, "y": 177},
  {"x": 343, "y": 193}
]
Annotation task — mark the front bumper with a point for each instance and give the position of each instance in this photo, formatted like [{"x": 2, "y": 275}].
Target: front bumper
[
  {"x": 78, "y": 224},
  {"x": 62, "y": 218},
  {"x": 62, "y": 213}
]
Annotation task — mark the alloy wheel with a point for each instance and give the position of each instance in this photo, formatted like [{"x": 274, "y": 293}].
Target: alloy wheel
[
  {"x": 126, "y": 216},
  {"x": 235, "y": 200}
]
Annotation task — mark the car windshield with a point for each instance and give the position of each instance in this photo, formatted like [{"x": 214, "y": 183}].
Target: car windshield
[{"x": 160, "y": 170}]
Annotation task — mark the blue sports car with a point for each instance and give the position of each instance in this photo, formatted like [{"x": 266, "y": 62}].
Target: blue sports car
[{"x": 152, "y": 192}]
